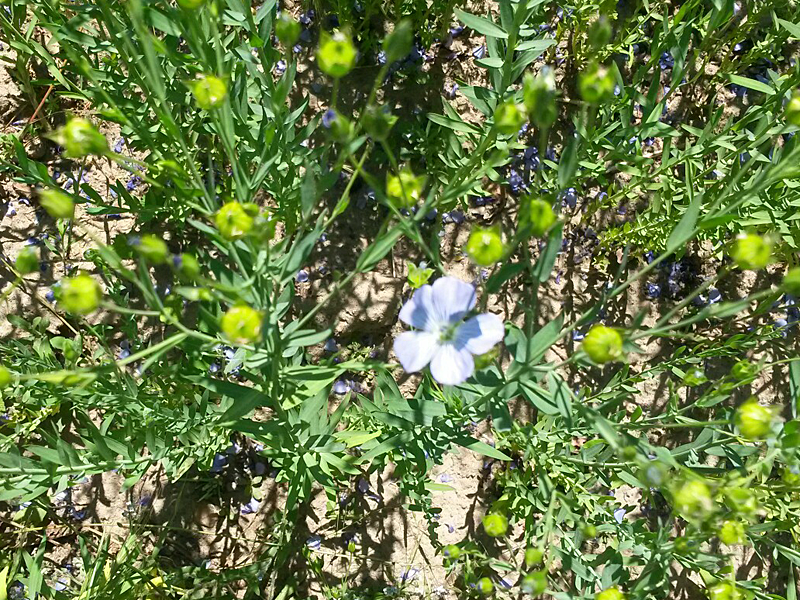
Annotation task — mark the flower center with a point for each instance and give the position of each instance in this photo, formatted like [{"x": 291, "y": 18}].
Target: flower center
[{"x": 447, "y": 333}]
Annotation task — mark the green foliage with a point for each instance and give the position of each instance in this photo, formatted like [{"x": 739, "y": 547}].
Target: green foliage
[{"x": 216, "y": 288}]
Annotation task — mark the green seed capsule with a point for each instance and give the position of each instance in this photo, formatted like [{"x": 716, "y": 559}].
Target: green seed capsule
[
  {"x": 57, "y": 204},
  {"x": 589, "y": 531},
  {"x": 602, "y": 344},
  {"x": 484, "y": 586},
  {"x": 209, "y": 91},
  {"x": 27, "y": 261},
  {"x": 495, "y": 524},
  {"x": 186, "y": 265},
  {"x": 509, "y": 118},
  {"x": 485, "y": 246},
  {"x": 80, "y": 138},
  {"x": 378, "y": 122},
  {"x": 539, "y": 97},
  {"x": 540, "y": 216},
  {"x": 80, "y": 294},
  {"x": 242, "y": 324},
  {"x": 191, "y": 4},
  {"x": 791, "y": 281},
  {"x": 452, "y": 552},
  {"x": 533, "y": 556},
  {"x": 751, "y": 251},
  {"x": 234, "y": 220},
  {"x": 152, "y": 249},
  {"x": 596, "y": 84},
  {"x": 694, "y": 377},
  {"x": 741, "y": 500},
  {"x": 600, "y": 32},
  {"x": 336, "y": 55},
  {"x": 753, "y": 420},
  {"x": 534, "y": 583},
  {"x": 724, "y": 590},
  {"x": 405, "y": 190},
  {"x": 612, "y": 593},
  {"x": 5, "y": 377},
  {"x": 792, "y": 111},
  {"x": 287, "y": 30},
  {"x": 692, "y": 500},
  {"x": 397, "y": 44},
  {"x": 791, "y": 476},
  {"x": 731, "y": 532},
  {"x": 744, "y": 370}
]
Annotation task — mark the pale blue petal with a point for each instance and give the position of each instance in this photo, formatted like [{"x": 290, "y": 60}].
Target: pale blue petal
[
  {"x": 452, "y": 299},
  {"x": 414, "y": 349},
  {"x": 418, "y": 311},
  {"x": 451, "y": 365},
  {"x": 480, "y": 333}
]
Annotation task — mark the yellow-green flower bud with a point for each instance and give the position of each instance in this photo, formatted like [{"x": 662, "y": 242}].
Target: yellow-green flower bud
[
  {"x": 485, "y": 246},
  {"x": 405, "y": 190},
  {"x": 792, "y": 111},
  {"x": 336, "y": 55},
  {"x": 596, "y": 84},
  {"x": 753, "y": 420},
  {"x": 540, "y": 216},
  {"x": 751, "y": 251},
  {"x": 5, "y": 377},
  {"x": 612, "y": 593},
  {"x": 397, "y": 44},
  {"x": 539, "y": 96},
  {"x": 452, "y": 552},
  {"x": 151, "y": 248},
  {"x": 79, "y": 295},
  {"x": 209, "y": 91},
  {"x": 731, "y": 532},
  {"x": 509, "y": 118},
  {"x": 692, "y": 500},
  {"x": 534, "y": 583},
  {"x": 495, "y": 524},
  {"x": 602, "y": 344},
  {"x": 791, "y": 281},
  {"x": 484, "y": 586},
  {"x": 234, "y": 220},
  {"x": 191, "y": 4},
  {"x": 287, "y": 30},
  {"x": 57, "y": 204},
  {"x": 242, "y": 324},
  {"x": 533, "y": 556},
  {"x": 27, "y": 261},
  {"x": 80, "y": 138}
]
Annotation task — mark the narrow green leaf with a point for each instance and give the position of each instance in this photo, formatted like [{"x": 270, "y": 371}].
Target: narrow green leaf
[{"x": 481, "y": 25}]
